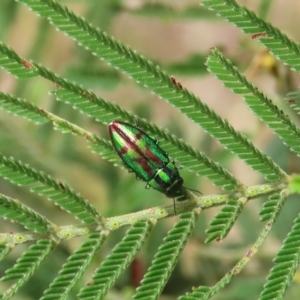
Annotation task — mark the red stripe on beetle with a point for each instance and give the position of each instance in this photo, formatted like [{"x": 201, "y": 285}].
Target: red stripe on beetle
[
  {"x": 115, "y": 127},
  {"x": 124, "y": 150},
  {"x": 153, "y": 157},
  {"x": 144, "y": 164}
]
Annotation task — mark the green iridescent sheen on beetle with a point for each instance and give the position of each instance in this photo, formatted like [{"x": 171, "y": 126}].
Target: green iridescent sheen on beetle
[{"x": 142, "y": 155}]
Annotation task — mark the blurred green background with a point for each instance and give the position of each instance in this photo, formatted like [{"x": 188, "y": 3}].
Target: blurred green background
[{"x": 178, "y": 36}]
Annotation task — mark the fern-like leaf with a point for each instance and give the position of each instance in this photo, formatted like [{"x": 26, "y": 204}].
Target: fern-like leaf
[
  {"x": 26, "y": 266},
  {"x": 293, "y": 99},
  {"x": 73, "y": 269},
  {"x": 22, "y": 108},
  {"x": 277, "y": 42},
  {"x": 105, "y": 112},
  {"x": 287, "y": 262},
  {"x": 272, "y": 207},
  {"x": 194, "y": 160},
  {"x": 121, "y": 256},
  {"x": 11, "y": 62},
  {"x": 15, "y": 211},
  {"x": 204, "y": 293},
  {"x": 262, "y": 106},
  {"x": 4, "y": 250},
  {"x": 151, "y": 76},
  {"x": 223, "y": 221},
  {"x": 200, "y": 294},
  {"x": 165, "y": 259},
  {"x": 58, "y": 192},
  {"x": 25, "y": 109}
]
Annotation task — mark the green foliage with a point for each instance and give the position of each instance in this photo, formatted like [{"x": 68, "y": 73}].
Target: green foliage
[
  {"x": 13, "y": 210},
  {"x": 26, "y": 265},
  {"x": 21, "y": 174},
  {"x": 222, "y": 223},
  {"x": 4, "y": 250},
  {"x": 74, "y": 268},
  {"x": 43, "y": 224},
  {"x": 274, "y": 40},
  {"x": 14, "y": 64},
  {"x": 22, "y": 108},
  {"x": 120, "y": 258},
  {"x": 255, "y": 99},
  {"x": 286, "y": 264},
  {"x": 293, "y": 99},
  {"x": 166, "y": 258},
  {"x": 271, "y": 208}
]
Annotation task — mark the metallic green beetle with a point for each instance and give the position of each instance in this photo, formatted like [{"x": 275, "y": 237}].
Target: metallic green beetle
[{"x": 142, "y": 155}]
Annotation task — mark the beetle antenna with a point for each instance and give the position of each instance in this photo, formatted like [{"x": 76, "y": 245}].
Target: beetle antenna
[
  {"x": 193, "y": 190},
  {"x": 174, "y": 206}
]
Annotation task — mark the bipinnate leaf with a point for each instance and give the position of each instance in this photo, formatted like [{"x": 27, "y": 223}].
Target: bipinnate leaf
[
  {"x": 22, "y": 108},
  {"x": 165, "y": 259},
  {"x": 293, "y": 100},
  {"x": 15, "y": 211},
  {"x": 58, "y": 192},
  {"x": 259, "y": 103},
  {"x": 11, "y": 62},
  {"x": 151, "y": 76},
  {"x": 190, "y": 158},
  {"x": 277, "y": 42},
  {"x": 73, "y": 269},
  {"x": 272, "y": 207},
  {"x": 105, "y": 111},
  {"x": 286, "y": 264},
  {"x": 200, "y": 294},
  {"x": 113, "y": 266},
  {"x": 26, "y": 265},
  {"x": 25, "y": 109},
  {"x": 4, "y": 250},
  {"x": 223, "y": 221}
]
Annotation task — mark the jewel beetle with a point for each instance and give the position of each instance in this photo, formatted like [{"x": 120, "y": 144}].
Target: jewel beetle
[{"x": 141, "y": 154}]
